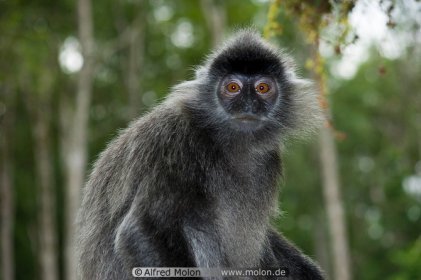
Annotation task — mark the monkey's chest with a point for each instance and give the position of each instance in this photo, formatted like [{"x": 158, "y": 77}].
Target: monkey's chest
[
  {"x": 242, "y": 220},
  {"x": 242, "y": 233}
]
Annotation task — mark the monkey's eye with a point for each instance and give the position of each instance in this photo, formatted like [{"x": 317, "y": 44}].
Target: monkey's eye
[
  {"x": 262, "y": 88},
  {"x": 233, "y": 87}
]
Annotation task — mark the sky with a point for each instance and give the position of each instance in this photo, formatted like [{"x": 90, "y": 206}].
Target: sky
[{"x": 369, "y": 22}]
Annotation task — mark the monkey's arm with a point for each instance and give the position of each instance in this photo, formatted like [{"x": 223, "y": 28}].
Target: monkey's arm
[
  {"x": 299, "y": 265},
  {"x": 132, "y": 243},
  {"x": 204, "y": 247}
]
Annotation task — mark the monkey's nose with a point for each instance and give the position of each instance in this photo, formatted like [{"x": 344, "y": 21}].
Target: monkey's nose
[
  {"x": 254, "y": 106},
  {"x": 251, "y": 106}
]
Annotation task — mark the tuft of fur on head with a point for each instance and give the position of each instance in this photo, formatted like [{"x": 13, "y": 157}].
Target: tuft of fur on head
[{"x": 246, "y": 52}]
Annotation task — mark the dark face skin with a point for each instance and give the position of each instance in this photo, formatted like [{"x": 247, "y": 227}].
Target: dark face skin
[{"x": 248, "y": 99}]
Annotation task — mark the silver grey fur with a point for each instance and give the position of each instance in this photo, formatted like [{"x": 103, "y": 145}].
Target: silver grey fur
[{"x": 160, "y": 190}]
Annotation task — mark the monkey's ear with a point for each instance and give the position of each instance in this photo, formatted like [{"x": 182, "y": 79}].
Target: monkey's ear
[
  {"x": 308, "y": 115},
  {"x": 201, "y": 72}
]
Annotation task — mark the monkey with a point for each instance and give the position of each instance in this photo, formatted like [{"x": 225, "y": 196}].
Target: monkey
[{"x": 194, "y": 182}]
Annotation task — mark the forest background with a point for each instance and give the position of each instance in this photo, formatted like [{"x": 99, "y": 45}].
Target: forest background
[{"x": 73, "y": 73}]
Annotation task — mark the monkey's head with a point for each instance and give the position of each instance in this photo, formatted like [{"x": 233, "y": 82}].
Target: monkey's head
[{"x": 249, "y": 87}]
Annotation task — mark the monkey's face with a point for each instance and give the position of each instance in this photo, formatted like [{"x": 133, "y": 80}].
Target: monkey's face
[
  {"x": 245, "y": 87},
  {"x": 248, "y": 99}
]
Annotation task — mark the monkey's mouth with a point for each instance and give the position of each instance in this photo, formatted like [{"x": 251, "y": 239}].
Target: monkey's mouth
[{"x": 244, "y": 117}]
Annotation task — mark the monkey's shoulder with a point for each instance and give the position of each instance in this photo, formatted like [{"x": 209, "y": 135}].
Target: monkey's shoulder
[{"x": 165, "y": 136}]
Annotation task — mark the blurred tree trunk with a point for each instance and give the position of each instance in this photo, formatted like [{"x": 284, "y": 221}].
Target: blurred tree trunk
[
  {"x": 76, "y": 152},
  {"x": 47, "y": 201},
  {"x": 321, "y": 244},
  {"x": 215, "y": 17},
  {"x": 47, "y": 204},
  {"x": 6, "y": 189},
  {"x": 330, "y": 180},
  {"x": 334, "y": 206},
  {"x": 136, "y": 43}
]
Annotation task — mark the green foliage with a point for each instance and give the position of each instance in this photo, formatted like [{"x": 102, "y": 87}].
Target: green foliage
[
  {"x": 385, "y": 154},
  {"x": 408, "y": 261}
]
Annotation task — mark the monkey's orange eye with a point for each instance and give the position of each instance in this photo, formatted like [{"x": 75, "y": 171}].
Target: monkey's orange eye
[
  {"x": 262, "y": 88},
  {"x": 233, "y": 87}
]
